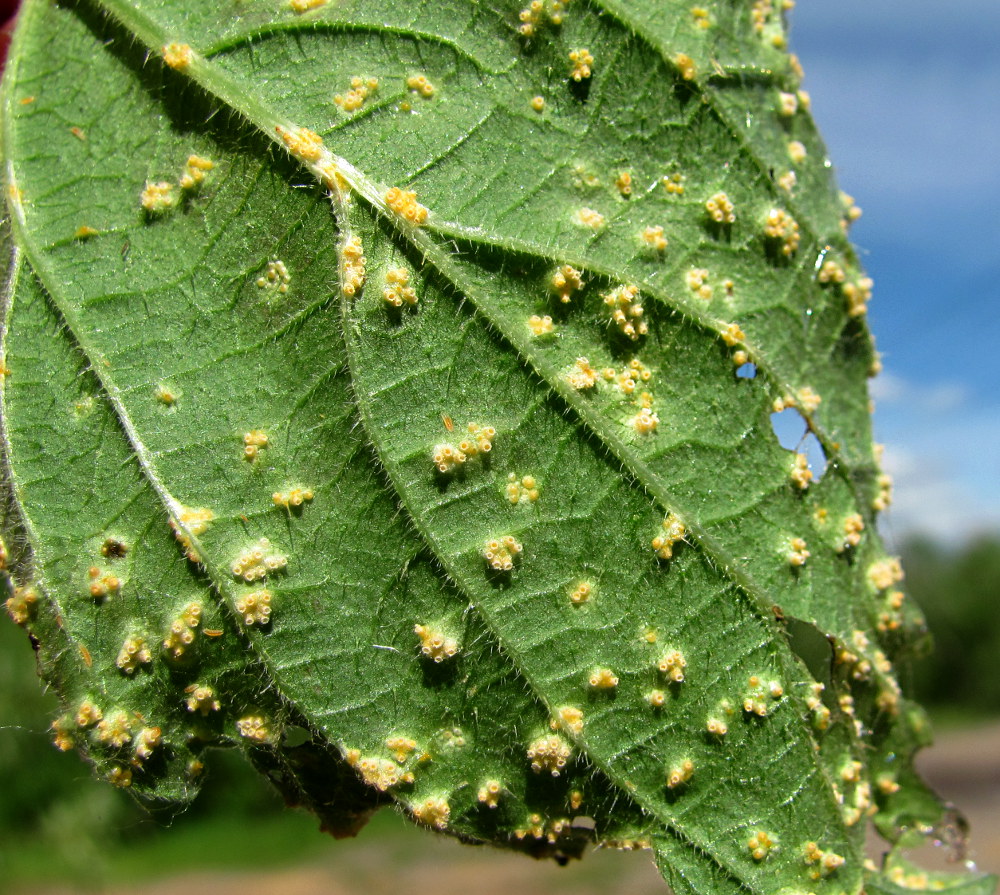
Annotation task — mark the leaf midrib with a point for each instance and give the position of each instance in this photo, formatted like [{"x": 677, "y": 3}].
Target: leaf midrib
[
  {"x": 447, "y": 228},
  {"x": 676, "y": 827},
  {"x": 217, "y": 82}
]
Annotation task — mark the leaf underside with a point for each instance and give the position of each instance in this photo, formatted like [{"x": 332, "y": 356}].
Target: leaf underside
[{"x": 372, "y": 496}]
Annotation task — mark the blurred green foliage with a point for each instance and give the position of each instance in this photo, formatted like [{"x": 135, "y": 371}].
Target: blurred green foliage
[{"x": 959, "y": 591}]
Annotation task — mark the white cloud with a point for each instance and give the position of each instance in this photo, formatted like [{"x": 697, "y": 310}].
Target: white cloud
[
  {"x": 939, "y": 450},
  {"x": 887, "y": 388},
  {"x": 937, "y": 398},
  {"x": 930, "y": 500}
]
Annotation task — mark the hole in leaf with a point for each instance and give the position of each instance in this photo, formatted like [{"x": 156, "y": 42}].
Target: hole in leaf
[
  {"x": 747, "y": 371},
  {"x": 793, "y": 435},
  {"x": 809, "y": 644},
  {"x": 789, "y": 428},
  {"x": 296, "y": 736}
]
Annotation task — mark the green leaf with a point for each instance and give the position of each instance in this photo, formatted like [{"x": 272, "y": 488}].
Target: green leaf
[
  {"x": 900, "y": 875},
  {"x": 475, "y": 486}
]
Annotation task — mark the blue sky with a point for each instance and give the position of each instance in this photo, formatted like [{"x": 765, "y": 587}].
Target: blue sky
[{"x": 908, "y": 99}]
